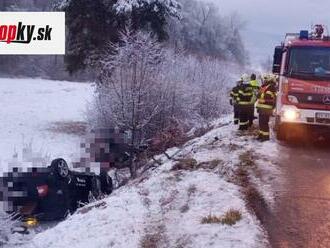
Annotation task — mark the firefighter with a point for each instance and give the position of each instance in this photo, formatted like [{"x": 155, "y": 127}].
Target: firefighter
[
  {"x": 255, "y": 85},
  {"x": 254, "y": 82},
  {"x": 233, "y": 100},
  {"x": 245, "y": 101},
  {"x": 265, "y": 106}
]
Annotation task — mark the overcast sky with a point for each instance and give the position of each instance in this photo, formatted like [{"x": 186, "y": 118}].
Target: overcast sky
[{"x": 268, "y": 20}]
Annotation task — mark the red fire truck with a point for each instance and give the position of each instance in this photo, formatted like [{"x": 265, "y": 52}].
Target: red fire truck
[{"x": 302, "y": 63}]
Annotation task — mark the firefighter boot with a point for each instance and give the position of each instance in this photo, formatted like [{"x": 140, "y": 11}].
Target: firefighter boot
[{"x": 263, "y": 138}]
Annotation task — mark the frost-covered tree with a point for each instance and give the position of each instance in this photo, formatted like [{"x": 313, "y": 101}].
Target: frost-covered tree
[
  {"x": 90, "y": 24},
  {"x": 204, "y": 31},
  {"x": 200, "y": 87},
  {"x": 128, "y": 92},
  {"x": 152, "y": 91},
  {"x": 148, "y": 15},
  {"x": 93, "y": 22}
]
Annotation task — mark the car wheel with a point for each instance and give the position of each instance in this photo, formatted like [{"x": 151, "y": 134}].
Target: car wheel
[
  {"x": 106, "y": 183},
  {"x": 60, "y": 168}
]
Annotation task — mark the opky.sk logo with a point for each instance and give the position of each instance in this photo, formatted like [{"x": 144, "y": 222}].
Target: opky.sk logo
[{"x": 21, "y": 33}]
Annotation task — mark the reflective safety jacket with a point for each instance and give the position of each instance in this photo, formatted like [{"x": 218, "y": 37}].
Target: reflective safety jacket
[
  {"x": 246, "y": 95},
  {"x": 255, "y": 84},
  {"x": 267, "y": 97},
  {"x": 234, "y": 94}
]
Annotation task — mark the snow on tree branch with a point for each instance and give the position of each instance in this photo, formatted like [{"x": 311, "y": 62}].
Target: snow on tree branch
[
  {"x": 144, "y": 87},
  {"x": 124, "y": 6}
]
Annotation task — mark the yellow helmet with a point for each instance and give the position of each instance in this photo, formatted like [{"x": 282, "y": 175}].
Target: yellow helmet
[
  {"x": 269, "y": 78},
  {"x": 265, "y": 77}
]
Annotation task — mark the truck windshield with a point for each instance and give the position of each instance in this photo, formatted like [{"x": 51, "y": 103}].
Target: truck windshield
[{"x": 312, "y": 63}]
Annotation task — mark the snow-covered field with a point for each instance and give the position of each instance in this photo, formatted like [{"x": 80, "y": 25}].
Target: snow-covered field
[
  {"x": 163, "y": 208},
  {"x": 31, "y": 110}
]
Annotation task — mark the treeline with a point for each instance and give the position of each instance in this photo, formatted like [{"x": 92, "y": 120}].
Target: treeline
[
  {"x": 204, "y": 31},
  {"x": 190, "y": 25}
]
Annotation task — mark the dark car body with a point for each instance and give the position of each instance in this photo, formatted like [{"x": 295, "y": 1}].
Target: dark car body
[{"x": 47, "y": 195}]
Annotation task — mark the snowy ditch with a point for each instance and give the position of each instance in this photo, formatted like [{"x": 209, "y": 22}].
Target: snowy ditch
[{"x": 165, "y": 207}]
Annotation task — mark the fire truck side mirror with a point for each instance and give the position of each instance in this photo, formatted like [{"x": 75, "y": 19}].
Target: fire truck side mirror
[{"x": 277, "y": 59}]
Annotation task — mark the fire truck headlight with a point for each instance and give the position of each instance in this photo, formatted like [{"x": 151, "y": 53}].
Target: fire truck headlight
[
  {"x": 290, "y": 114},
  {"x": 293, "y": 99}
]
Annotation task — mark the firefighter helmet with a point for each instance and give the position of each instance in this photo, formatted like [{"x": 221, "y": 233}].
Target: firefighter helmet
[
  {"x": 269, "y": 78},
  {"x": 245, "y": 78}
]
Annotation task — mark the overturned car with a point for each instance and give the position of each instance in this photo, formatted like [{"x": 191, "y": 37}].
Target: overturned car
[{"x": 50, "y": 193}]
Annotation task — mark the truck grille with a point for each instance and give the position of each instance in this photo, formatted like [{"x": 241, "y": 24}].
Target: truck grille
[
  {"x": 311, "y": 98},
  {"x": 323, "y": 121}
]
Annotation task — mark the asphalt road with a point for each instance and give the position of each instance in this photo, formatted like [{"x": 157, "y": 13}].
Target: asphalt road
[{"x": 301, "y": 217}]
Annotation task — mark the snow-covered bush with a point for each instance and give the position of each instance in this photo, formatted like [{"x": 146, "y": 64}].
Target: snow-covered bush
[
  {"x": 202, "y": 84},
  {"x": 155, "y": 92},
  {"x": 128, "y": 89}
]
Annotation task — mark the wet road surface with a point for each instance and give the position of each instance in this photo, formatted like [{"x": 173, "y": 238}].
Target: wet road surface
[{"x": 301, "y": 217}]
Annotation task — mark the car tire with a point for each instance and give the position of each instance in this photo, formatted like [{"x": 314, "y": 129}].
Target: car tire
[
  {"x": 106, "y": 183},
  {"x": 60, "y": 168}
]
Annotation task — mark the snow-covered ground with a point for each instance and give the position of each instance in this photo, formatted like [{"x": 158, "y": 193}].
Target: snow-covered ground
[
  {"x": 164, "y": 207},
  {"x": 35, "y": 111}
]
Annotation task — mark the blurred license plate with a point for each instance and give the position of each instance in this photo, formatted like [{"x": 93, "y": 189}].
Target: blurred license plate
[{"x": 322, "y": 116}]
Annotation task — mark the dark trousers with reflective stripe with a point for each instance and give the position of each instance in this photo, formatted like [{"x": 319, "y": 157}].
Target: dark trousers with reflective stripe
[
  {"x": 244, "y": 116},
  {"x": 236, "y": 114},
  {"x": 264, "y": 116},
  {"x": 251, "y": 115}
]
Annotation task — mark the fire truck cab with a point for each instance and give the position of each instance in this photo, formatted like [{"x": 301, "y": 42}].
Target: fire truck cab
[{"x": 302, "y": 63}]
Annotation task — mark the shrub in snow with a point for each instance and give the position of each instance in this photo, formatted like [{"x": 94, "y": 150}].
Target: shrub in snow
[
  {"x": 211, "y": 219},
  {"x": 230, "y": 218}
]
